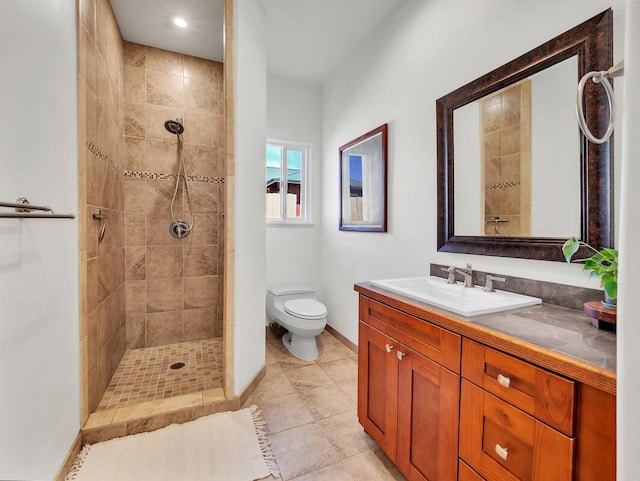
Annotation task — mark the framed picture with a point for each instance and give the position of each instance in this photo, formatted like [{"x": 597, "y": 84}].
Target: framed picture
[{"x": 363, "y": 182}]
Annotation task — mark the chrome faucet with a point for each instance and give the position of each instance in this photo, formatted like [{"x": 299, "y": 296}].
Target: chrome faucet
[
  {"x": 451, "y": 279},
  {"x": 468, "y": 275},
  {"x": 489, "y": 283}
]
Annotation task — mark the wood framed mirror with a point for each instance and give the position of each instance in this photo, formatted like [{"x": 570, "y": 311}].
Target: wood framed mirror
[
  {"x": 516, "y": 177},
  {"x": 363, "y": 182}
]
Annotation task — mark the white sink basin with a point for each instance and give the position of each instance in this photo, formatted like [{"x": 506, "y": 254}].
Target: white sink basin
[{"x": 468, "y": 301}]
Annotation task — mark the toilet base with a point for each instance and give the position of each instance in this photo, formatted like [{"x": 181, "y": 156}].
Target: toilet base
[{"x": 304, "y": 348}]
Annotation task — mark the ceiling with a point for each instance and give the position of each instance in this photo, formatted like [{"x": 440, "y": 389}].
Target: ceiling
[{"x": 307, "y": 40}]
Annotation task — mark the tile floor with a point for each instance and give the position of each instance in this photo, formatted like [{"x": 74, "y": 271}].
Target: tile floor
[
  {"x": 146, "y": 375},
  {"x": 310, "y": 411}
]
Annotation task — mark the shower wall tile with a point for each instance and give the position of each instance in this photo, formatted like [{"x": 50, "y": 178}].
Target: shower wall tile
[
  {"x": 134, "y": 85},
  {"x": 201, "y": 69},
  {"x": 201, "y": 95},
  {"x": 205, "y": 231},
  {"x": 165, "y": 295},
  {"x": 165, "y": 262},
  {"x": 205, "y": 197},
  {"x": 162, "y": 156},
  {"x": 136, "y": 298},
  {"x": 165, "y": 89},
  {"x": 164, "y": 61},
  {"x": 180, "y": 275},
  {"x": 135, "y": 153},
  {"x": 200, "y": 292},
  {"x": 511, "y": 140},
  {"x": 101, "y": 188},
  {"x": 134, "y": 195},
  {"x": 158, "y": 230},
  {"x": 135, "y": 331},
  {"x": 87, "y": 15},
  {"x": 201, "y": 261},
  {"x": 159, "y": 194},
  {"x": 134, "y": 55},
  {"x": 135, "y": 263},
  {"x": 199, "y": 323},
  {"x": 134, "y": 119},
  {"x": 207, "y": 132},
  {"x": 203, "y": 160},
  {"x": 164, "y": 327},
  {"x": 135, "y": 229},
  {"x": 156, "y": 116}
]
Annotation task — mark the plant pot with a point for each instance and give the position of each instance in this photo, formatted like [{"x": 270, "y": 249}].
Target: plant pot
[{"x": 609, "y": 303}]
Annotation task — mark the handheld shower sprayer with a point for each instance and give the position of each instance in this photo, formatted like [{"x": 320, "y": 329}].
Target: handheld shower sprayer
[{"x": 179, "y": 228}]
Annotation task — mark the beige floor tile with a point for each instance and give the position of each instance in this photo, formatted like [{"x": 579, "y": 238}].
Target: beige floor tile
[
  {"x": 308, "y": 377},
  {"x": 341, "y": 369},
  {"x": 372, "y": 466},
  {"x": 326, "y": 401},
  {"x": 301, "y": 450},
  {"x": 272, "y": 386},
  {"x": 350, "y": 388},
  {"x": 285, "y": 413},
  {"x": 331, "y": 352},
  {"x": 333, "y": 472},
  {"x": 346, "y": 434}
]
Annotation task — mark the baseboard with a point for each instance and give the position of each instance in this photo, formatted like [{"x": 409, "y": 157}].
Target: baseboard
[
  {"x": 71, "y": 456},
  {"x": 252, "y": 386},
  {"x": 342, "y": 339}
]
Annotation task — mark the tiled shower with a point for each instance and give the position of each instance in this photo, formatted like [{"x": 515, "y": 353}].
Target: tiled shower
[{"x": 141, "y": 287}]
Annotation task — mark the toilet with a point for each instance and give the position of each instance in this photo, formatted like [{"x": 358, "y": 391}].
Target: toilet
[{"x": 297, "y": 310}]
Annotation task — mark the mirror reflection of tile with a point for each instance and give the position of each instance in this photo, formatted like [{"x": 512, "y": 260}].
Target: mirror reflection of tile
[{"x": 505, "y": 128}]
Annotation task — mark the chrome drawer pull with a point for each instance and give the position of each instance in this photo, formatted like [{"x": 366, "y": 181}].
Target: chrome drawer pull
[
  {"x": 400, "y": 354},
  {"x": 504, "y": 381},
  {"x": 502, "y": 452},
  {"x": 388, "y": 347}
]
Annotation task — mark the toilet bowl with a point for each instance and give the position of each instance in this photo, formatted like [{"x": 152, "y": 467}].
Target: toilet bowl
[{"x": 304, "y": 317}]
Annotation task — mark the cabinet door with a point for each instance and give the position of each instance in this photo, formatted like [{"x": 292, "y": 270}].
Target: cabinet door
[
  {"x": 428, "y": 401},
  {"x": 377, "y": 387}
]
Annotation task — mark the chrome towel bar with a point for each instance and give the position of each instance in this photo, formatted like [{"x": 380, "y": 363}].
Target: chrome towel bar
[{"x": 23, "y": 210}]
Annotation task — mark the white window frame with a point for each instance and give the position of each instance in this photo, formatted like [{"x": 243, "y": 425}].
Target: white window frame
[{"x": 305, "y": 183}]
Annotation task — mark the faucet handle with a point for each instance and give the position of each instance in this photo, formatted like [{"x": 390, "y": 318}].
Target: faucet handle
[
  {"x": 489, "y": 284},
  {"x": 452, "y": 274}
]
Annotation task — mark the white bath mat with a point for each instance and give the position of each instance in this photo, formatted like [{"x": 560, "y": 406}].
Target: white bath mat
[{"x": 228, "y": 446}]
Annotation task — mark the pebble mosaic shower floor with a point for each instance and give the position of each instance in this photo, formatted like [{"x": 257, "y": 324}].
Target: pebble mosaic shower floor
[{"x": 146, "y": 374}]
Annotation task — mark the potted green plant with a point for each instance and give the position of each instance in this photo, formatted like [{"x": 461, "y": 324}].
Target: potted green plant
[{"x": 603, "y": 263}]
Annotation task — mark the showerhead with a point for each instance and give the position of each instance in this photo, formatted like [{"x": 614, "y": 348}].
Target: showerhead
[{"x": 174, "y": 126}]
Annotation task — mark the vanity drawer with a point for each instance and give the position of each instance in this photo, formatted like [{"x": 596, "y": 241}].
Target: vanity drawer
[
  {"x": 439, "y": 345},
  {"x": 501, "y": 442},
  {"x": 465, "y": 473},
  {"x": 540, "y": 393}
]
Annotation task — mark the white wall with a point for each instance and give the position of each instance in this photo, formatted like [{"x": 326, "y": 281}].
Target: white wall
[
  {"x": 250, "y": 119},
  {"x": 39, "y": 350},
  {"x": 629, "y": 301},
  {"x": 294, "y": 114},
  {"x": 424, "y": 51}
]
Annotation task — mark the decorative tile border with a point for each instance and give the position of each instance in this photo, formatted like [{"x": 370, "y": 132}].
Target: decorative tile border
[
  {"x": 502, "y": 185},
  {"x": 137, "y": 174}
]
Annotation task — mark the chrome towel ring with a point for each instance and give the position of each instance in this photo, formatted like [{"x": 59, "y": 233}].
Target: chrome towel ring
[{"x": 601, "y": 77}]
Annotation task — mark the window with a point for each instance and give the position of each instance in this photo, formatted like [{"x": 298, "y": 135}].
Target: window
[{"x": 287, "y": 183}]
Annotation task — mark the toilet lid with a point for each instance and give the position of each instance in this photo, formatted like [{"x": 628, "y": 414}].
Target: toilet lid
[{"x": 305, "y": 308}]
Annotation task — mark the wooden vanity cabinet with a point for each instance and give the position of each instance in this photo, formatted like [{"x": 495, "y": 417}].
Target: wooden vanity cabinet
[
  {"x": 445, "y": 407},
  {"x": 407, "y": 400}
]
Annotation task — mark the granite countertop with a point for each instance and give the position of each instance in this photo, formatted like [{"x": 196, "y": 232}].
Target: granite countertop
[
  {"x": 558, "y": 329},
  {"x": 556, "y": 337}
]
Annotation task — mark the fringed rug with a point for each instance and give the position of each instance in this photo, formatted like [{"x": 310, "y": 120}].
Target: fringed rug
[{"x": 228, "y": 446}]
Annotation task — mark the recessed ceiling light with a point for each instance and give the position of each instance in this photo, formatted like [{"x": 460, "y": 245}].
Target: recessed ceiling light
[{"x": 180, "y": 22}]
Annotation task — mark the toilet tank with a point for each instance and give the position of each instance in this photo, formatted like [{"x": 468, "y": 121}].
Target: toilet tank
[
  {"x": 284, "y": 293},
  {"x": 291, "y": 290}
]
